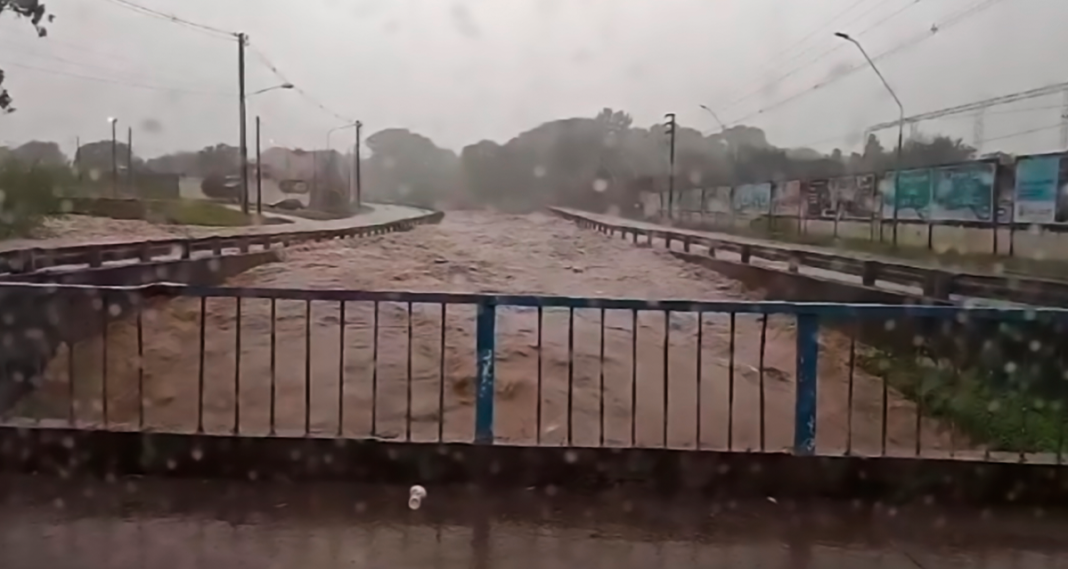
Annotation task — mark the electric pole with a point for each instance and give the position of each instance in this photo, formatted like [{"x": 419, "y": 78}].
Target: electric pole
[
  {"x": 114, "y": 160},
  {"x": 356, "y": 157},
  {"x": 671, "y": 162},
  {"x": 129, "y": 161},
  {"x": 259, "y": 171},
  {"x": 241, "y": 39}
]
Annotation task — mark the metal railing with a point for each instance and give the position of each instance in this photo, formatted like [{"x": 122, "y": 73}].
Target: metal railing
[
  {"x": 940, "y": 284},
  {"x": 21, "y": 261},
  {"x": 537, "y": 370}
]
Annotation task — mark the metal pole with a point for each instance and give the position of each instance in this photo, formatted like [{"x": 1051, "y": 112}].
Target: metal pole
[
  {"x": 359, "y": 195},
  {"x": 129, "y": 161},
  {"x": 259, "y": 171},
  {"x": 114, "y": 161},
  {"x": 671, "y": 165},
  {"x": 241, "y": 38},
  {"x": 900, "y": 131}
]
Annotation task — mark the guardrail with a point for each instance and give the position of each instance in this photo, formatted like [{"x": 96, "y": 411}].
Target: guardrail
[
  {"x": 935, "y": 284},
  {"x": 23, "y": 261},
  {"x": 524, "y": 370}
]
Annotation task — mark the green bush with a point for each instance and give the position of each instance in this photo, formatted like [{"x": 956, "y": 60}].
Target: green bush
[{"x": 27, "y": 196}]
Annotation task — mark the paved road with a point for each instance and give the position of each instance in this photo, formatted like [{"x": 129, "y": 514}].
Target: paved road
[
  {"x": 152, "y": 524},
  {"x": 658, "y": 395}
]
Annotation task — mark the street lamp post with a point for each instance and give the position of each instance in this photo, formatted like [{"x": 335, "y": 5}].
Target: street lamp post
[
  {"x": 900, "y": 134},
  {"x": 357, "y": 125},
  {"x": 244, "y": 142}
]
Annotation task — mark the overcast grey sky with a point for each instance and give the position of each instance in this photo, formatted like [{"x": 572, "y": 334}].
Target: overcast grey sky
[{"x": 462, "y": 71}]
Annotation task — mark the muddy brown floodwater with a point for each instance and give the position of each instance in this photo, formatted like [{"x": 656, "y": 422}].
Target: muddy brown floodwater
[{"x": 359, "y": 385}]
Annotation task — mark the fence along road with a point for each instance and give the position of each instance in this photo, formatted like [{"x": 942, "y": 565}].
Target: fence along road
[
  {"x": 850, "y": 267},
  {"x": 376, "y": 368}
]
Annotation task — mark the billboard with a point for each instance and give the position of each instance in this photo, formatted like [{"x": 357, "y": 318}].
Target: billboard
[
  {"x": 853, "y": 197},
  {"x": 1041, "y": 192},
  {"x": 818, "y": 200},
  {"x": 752, "y": 199},
  {"x": 963, "y": 192},
  {"x": 717, "y": 200},
  {"x": 915, "y": 199},
  {"x": 787, "y": 199}
]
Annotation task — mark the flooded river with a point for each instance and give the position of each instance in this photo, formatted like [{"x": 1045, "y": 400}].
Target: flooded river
[
  {"x": 153, "y": 524},
  {"x": 400, "y": 371}
]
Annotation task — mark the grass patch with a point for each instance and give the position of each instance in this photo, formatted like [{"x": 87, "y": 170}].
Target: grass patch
[
  {"x": 1006, "y": 419},
  {"x": 787, "y": 231},
  {"x": 196, "y": 212},
  {"x": 27, "y": 197}
]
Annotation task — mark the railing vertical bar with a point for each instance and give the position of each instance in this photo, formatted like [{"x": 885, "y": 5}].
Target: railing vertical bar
[
  {"x": 700, "y": 344},
  {"x": 538, "y": 403},
  {"x": 237, "y": 365},
  {"x": 808, "y": 349},
  {"x": 600, "y": 399},
  {"x": 760, "y": 374},
  {"x": 200, "y": 369},
  {"x": 341, "y": 368},
  {"x": 850, "y": 394},
  {"x": 633, "y": 375},
  {"x": 273, "y": 364},
  {"x": 307, "y": 367},
  {"x": 730, "y": 382},
  {"x": 374, "y": 369},
  {"x": 885, "y": 414},
  {"x": 485, "y": 338},
  {"x": 441, "y": 374},
  {"x": 666, "y": 371},
  {"x": 140, "y": 371},
  {"x": 921, "y": 394},
  {"x": 570, "y": 372},
  {"x": 408, "y": 401},
  {"x": 104, "y": 313},
  {"x": 71, "y": 393}
]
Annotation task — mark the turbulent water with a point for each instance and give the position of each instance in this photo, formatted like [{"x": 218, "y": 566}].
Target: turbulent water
[{"x": 330, "y": 389}]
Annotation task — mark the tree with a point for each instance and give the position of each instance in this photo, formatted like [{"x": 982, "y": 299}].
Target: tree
[
  {"x": 36, "y": 13},
  {"x": 39, "y": 153}
]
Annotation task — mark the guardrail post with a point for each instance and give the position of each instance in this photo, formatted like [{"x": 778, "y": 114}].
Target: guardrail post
[
  {"x": 187, "y": 250},
  {"x": 485, "y": 340},
  {"x": 712, "y": 250},
  {"x": 96, "y": 257},
  {"x": 937, "y": 284},
  {"x": 686, "y": 244},
  {"x": 794, "y": 264},
  {"x": 242, "y": 243},
  {"x": 216, "y": 247},
  {"x": 808, "y": 349},
  {"x": 869, "y": 273},
  {"x": 667, "y": 241},
  {"x": 746, "y": 253},
  {"x": 143, "y": 253}
]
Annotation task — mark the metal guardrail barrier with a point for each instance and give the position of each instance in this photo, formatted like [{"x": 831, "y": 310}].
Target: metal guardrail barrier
[
  {"x": 934, "y": 283},
  {"x": 527, "y": 370},
  {"x": 95, "y": 255}
]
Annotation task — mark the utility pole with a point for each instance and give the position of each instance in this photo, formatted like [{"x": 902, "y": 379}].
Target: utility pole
[
  {"x": 241, "y": 39},
  {"x": 129, "y": 161},
  {"x": 356, "y": 157},
  {"x": 77, "y": 157},
  {"x": 259, "y": 171},
  {"x": 114, "y": 160},
  {"x": 671, "y": 162}
]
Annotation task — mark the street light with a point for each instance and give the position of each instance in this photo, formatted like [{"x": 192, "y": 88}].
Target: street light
[
  {"x": 244, "y": 141},
  {"x": 357, "y": 125},
  {"x": 900, "y": 133},
  {"x": 723, "y": 129}
]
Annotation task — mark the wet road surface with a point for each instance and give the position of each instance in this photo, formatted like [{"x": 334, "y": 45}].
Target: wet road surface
[
  {"x": 381, "y": 383},
  {"x": 153, "y": 524}
]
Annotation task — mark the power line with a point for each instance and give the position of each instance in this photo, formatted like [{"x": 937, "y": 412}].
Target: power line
[
  {"x": 281, "y": 76},
  {"x": 811, "y": 61},
  {"x": 110, "y": 81},
  {"x": 83, "y": 64},
  {"x": 941, "y": 26},
  {"x": 1023, "y": 132},
  {"x": 976, "y": 105},
  {"x": 203, "y": 28}
]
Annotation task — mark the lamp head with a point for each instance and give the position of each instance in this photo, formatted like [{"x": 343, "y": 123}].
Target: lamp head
[{"x": 843, "y": 35}]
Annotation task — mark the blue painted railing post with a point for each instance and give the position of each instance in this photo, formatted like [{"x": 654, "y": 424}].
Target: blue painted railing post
[
  {"x": 808, "y": 349},
  {"x": 485, "y": 348}
]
